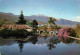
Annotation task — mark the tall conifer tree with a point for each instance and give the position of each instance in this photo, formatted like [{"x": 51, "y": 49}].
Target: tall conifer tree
[{"x": 21, "y": 19}]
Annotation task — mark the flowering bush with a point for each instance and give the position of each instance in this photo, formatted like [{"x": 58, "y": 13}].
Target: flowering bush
[
  {"x": 63, "y": 33},
  {"x": 66, "y": 32}
]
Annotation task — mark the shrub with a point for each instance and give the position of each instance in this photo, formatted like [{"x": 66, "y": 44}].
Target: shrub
[
  {"x": 77, "y": 30},
  {"x": 13, "y": 32},
  {"x": 64, "y": 32}
]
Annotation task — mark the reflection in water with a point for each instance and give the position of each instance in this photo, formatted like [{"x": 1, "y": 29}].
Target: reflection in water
[
  {"x": 7, "y": 42},
  {"x": 20, "y": 41},
  {"x": 21, "y": 45},
  {"x": 66, "y": 40},
  {"x": 32, "y": 39},
  {"x": 51, "y": 43}
]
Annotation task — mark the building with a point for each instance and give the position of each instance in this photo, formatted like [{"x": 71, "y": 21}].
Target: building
[
  {"x": 40, "y": 24},
  {"x": 14, "y": 27},
  {"x": 48, "y": 30}
]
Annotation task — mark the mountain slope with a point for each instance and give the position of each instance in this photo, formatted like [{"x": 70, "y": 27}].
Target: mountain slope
[
  {"x": 40, "y": 18},
  {"x": 6, "y": 16},
  {"x": 45, "y": 19}
]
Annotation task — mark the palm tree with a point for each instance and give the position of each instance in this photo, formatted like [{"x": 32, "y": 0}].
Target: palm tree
[{"x": 51, "y": 21}]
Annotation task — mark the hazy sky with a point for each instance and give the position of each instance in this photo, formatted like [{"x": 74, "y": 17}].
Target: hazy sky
[{"x": 67, "y": 9}]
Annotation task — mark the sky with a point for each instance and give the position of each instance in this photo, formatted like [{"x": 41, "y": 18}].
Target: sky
[{"x": 65, "y": 9}]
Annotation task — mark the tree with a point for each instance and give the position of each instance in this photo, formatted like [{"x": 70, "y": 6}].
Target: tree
[
  {"x": 28, "y": 23},
  {"x": 64, "y": 32},
  {"x": 21, "y": 19},
  {"x": 1, "y": 22},
  {"x": 21, "y": 45},
  {"x": 77, "y": 30},
  {"x": 45, "y": 29},
  {"x": 34, "y": 24},
  {"x": 52, "y": 21}
]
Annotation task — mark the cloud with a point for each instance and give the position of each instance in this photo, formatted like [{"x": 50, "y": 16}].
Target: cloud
[{"x": 77, "y": 18}]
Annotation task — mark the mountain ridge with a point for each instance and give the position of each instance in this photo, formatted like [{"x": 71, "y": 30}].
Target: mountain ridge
[{"x": 39, "y": 17}]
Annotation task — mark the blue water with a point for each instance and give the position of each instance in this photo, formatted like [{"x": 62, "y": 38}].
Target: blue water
[{"x": 39, "y": 46}]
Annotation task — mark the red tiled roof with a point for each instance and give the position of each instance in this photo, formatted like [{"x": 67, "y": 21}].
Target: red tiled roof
[
  {"x": 48, "y": 29},
  {"x": 39, "y": 23},
  {"x": 16, "y": 26}
]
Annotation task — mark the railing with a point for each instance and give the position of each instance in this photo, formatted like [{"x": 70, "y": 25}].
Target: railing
[{"x": 73, "y": 37}]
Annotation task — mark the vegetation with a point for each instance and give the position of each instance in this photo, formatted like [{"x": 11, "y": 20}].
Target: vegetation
[
  {"x": 28, "y": 23},
  {"x": 77, "y": 30},
  {"x": 45, "y": 29},
  {"x": 52, "y": 21},
  {"x": 18, "y": 32},
  {"x": 21, "y": 19},
  {"x": 64, "y": 32},
  {"x": 3, "y": 21},
  {"x": 34, "y": 24}
]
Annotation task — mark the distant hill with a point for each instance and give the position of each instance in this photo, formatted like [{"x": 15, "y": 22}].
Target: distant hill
[
  {"x": 40, "y": 18},
  {"x": 44, "y": 19},
  {"x": 7, "y": 16}
]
